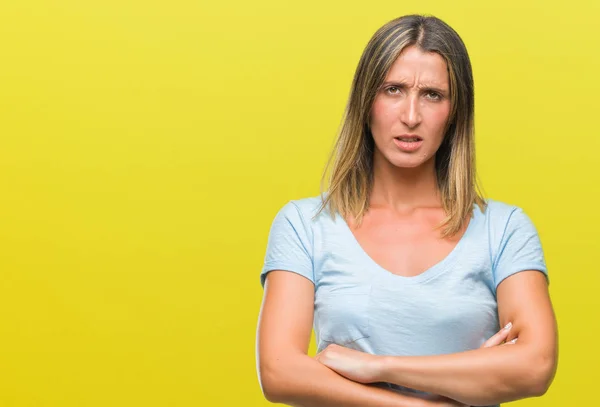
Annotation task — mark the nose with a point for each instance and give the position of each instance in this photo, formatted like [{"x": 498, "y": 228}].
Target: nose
[{"x": 411, "y": 113}]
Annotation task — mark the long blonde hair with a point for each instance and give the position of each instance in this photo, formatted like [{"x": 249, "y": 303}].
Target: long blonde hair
[{"x": 351, "y": 161}]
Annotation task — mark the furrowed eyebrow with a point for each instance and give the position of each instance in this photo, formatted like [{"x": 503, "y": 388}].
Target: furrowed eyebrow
[
  {"x": 401, "y": 84},
  {"x": 434, "y": 89}
]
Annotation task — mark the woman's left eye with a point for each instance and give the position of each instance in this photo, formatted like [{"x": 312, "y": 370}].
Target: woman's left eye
[{"x": 433, "y": 95}]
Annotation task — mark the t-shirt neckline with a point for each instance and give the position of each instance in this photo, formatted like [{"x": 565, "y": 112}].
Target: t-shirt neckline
[{"x": 425, "y": 275}]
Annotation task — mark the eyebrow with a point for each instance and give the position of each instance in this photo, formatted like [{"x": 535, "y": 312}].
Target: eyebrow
[{"x": 402, "y": 84}]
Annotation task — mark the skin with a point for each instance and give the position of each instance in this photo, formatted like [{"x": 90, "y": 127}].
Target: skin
[
  {"x": 404, "y": 208},
  {"x": 414, "y": 99},
  {"x": 485, "y": 376},
  {"x": 366, "y": 368}
]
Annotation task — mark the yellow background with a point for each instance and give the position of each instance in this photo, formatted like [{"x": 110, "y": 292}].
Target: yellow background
[{"x": 146, "y": 147}]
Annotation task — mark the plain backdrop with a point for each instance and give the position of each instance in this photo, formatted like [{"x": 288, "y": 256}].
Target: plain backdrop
[{"x": 145, "y": 147}]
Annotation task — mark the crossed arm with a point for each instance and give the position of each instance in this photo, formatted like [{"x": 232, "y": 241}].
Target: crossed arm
[
  {"x": 288, "y": 375},
  {"x": 490, "y": 375},
  {"x": 484, "y": 376}
]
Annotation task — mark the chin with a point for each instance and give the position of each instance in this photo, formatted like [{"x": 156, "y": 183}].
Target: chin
[
  {"x": 408, "y": 165},
  {"x": 405, "y": 160},
  {"x": 415, "y": 162}
]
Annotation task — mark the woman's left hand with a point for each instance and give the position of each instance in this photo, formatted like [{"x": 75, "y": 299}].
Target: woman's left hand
[{"x": 355, "y": 365}]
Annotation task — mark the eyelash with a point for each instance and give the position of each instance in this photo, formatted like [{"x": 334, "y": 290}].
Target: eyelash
[{"x": 437, "y": 97}]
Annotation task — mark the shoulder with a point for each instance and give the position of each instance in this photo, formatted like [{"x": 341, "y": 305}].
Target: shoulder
[
  {"x": 308, "y": 206},
  {"x": 514, "y": 241},
  {"x": 500, "y": 215},
  {"x": 505, "y": 223},
  {"x": 304, "y": 208},
  {"x": 498, "y": 211},
  {"x": 298, "y": 213}
]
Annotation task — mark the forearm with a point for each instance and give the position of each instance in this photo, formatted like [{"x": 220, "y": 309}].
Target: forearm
[
  {"x": 301, "y": 381},
  {"x": 477, "y": 377}
]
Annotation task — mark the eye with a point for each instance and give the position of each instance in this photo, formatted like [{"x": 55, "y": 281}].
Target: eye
[
  {"x": 433, "y": 95},
  {"x": 393, "y": 90}
]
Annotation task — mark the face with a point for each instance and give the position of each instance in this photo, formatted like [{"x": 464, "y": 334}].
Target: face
[{"x": 411, "y": 109}]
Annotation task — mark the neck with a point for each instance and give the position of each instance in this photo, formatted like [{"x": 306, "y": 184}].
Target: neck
[{"x": 403, "y": 189}]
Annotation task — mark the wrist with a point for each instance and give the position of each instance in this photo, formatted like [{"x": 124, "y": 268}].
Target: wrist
[{"x": 382, "y": 364}]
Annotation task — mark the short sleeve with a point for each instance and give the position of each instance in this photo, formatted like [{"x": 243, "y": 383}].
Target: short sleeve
[
  {"x": 520, "y": 248},
  {"x": 289, "y": 246}
]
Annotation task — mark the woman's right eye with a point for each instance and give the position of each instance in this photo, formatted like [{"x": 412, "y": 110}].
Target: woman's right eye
[{"x": 393, "y": 90}]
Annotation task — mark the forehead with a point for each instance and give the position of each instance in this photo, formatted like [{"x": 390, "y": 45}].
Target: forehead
[{"x": 414, "y": 65}]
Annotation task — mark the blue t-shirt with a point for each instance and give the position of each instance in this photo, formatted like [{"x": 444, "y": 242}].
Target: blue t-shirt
[{"x": 451, "y": 307}]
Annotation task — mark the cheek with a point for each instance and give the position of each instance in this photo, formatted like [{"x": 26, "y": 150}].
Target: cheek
[
  {"x": 438, "y": 118},
  {"x": 381, "y": 115}
]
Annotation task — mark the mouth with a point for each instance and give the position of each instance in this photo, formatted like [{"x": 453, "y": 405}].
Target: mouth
[
  {"x": 408, "y": 142},
  {"x": 409, "y": 138}
]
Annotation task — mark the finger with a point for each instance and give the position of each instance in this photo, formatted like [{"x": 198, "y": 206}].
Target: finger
[
  {"x": 512, "y": 342},
  {"x": 499, "y": 337}
]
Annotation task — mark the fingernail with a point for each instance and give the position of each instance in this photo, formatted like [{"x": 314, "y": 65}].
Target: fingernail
[
  {"x": 513, "y": 341},
  {"x": 508, "y": 326}
]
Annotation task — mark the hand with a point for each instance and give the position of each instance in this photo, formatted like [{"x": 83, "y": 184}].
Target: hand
[
  {"x": 363, "y": 367},
  {"x": 500, "y": 337},
  {"x": 355, "y": 365}
]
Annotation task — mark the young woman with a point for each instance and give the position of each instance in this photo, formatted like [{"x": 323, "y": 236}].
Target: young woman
[{"x": 404, "y": 269}]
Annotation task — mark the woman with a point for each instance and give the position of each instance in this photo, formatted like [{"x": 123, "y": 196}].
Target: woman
[{"x": 405, "y": 270}]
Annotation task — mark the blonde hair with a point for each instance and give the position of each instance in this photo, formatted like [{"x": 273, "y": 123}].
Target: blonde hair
[{"x": 351, "y": 161}]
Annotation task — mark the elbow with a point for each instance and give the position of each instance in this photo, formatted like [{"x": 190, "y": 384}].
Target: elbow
[
  {"x": 269, "y": 384},
  {"x": 542, "y": 372},
  {"x": 273, "y": 381},
  {"x": 539, "y": 386}
]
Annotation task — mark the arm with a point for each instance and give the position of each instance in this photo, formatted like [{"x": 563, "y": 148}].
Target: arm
[
  {"x": 496, "y": 374},
  {"x": 287, "y": 374}
]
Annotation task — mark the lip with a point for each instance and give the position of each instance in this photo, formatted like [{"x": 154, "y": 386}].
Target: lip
[
  {"x": 408, "y": 146},
  {"x": 410, "y": 136}
]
